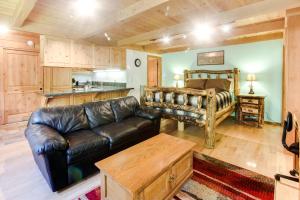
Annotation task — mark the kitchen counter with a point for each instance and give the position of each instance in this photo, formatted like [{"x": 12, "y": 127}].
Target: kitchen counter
[
  {"x": 80, "y": 95},
  {"x": 84, "y": 91}
]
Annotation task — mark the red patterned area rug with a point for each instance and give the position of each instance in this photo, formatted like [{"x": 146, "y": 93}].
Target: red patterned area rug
[{"x": 217, "y": 180}]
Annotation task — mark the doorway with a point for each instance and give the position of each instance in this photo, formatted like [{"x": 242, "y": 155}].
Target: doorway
[{"x": 154, "y": 71}]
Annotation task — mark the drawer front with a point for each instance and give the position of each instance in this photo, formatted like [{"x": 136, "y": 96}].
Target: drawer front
[
  {"x": 159, "y": 189},
  {"x": 182, "y": 168},
  {"x": 250, "y": 101},
  {"x": 250, "y": 110}
]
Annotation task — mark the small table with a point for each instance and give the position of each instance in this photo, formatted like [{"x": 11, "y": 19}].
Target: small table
[
  {"x": 250, "y": 110},
  {"x": 153, "y": 169}
]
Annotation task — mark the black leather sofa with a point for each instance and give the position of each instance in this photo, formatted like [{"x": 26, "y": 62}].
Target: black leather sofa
[{"x": 67, "y": 141}]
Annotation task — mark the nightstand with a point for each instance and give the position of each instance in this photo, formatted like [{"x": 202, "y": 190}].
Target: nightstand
[{"x": 250, "y": 109}]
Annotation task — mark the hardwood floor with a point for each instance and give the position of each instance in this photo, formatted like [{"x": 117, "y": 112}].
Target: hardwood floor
[{"x": 255, "y": 149}]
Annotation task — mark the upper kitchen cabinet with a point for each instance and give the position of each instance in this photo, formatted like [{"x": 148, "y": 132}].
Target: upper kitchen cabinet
[
  {"x": 101, "y": 56},
  {"x": 58, "y": 52},
  {"x": 55, "y": 52},
  {"x": 82, "y": 54},
  {"x": 118, "y": 58}
]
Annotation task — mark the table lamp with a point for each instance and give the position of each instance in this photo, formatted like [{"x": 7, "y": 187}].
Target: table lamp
[
  {"x": 177, "y": 78},
  {"x": 251, "y": 78}
]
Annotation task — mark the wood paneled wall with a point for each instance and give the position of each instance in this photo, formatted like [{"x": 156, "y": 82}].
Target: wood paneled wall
[{"x": 291, "y": 100}]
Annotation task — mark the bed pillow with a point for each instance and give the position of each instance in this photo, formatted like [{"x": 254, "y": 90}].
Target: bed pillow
[
  {"x": 196, "y": 83},
  {"x": 219, "y": 84}
]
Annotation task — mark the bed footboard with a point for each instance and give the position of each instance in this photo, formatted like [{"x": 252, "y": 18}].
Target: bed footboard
[{"x": 197, "y": 107}]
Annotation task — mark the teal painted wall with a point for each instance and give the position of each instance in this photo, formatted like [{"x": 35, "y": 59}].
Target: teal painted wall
[{"x": 264, "y": 59}]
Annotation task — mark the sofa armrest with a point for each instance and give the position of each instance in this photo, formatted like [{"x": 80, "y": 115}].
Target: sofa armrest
[
  {"x": 148, "y": 114},
  {"x": 44, "y": 139}
]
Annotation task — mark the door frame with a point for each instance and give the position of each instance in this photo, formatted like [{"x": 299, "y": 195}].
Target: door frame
[{"x": 159, "y": 69}]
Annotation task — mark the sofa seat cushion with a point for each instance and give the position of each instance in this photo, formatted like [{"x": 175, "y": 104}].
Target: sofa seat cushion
[
  {"x": 86, "y": 146},
  {"x": 138, "y": 122},
  {"x": 145, "y": 126},
  {"x": 120, "y": 135}
]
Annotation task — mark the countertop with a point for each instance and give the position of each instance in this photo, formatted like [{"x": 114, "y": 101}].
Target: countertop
[{"x": 83, "y": 91}]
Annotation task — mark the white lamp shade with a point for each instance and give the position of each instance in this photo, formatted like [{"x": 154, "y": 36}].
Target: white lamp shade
[
  {"x": 176, "y": 77},
  {"x": 251, "y": 77}
]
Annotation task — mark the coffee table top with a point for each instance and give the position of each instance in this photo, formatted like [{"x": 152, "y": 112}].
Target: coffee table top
[{"x": 140, "y": 164}]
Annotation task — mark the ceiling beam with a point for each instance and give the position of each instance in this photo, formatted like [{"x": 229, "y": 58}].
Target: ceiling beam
[
  {"x": 138, "y": 8},
  {"x": 124, "y": 14},
  {"x": 22, "y": 11},
  {"x": 243, "y": 40},
  {"x": 255, "y": 9},
  {"x": 252, "y": 29}
]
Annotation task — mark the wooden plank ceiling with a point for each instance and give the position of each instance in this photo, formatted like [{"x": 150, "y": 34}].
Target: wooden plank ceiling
[{"x": 141, "y": 24}]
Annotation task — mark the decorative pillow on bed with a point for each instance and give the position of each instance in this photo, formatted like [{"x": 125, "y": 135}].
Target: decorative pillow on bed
[
  {"x": 196, "y": 83},
  {"x": 219, "y": 84}
]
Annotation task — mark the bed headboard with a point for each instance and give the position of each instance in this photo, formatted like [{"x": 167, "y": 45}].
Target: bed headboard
[{"x": 233, "y": 74}]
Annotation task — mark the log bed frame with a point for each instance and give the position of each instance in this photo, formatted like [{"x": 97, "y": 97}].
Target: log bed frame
[{"x": 213, "y": 117}]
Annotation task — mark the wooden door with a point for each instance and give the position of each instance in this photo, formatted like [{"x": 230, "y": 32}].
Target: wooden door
[
  {"x": 160, "y": 188},
  {"x": 82, "y": 54},
  {"x": 102, "y": 56},
  {"x": 23, "y": 84},
  {"x": 154, "y": 71},
  {"x": 56, "y": 51}
]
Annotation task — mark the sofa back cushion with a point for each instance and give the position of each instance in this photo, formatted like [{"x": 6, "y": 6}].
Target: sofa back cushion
[
  {"x": 63, "y": 119},
  {"x": 124, "y": 107},
  {"x": 99, "y": 113}
]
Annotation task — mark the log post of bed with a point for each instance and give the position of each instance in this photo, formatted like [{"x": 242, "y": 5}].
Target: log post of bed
[{"x": 210, "y": 125}]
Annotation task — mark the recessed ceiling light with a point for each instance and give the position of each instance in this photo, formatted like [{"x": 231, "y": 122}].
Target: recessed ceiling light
[
  {"x": 226, "y": 28},
  {"x": 203, "y": 32},
  {"x": 166, "y": 39},
  {"x": 184, "y": 36},
  {"x": 3, "y": 29},
  {"x": 85, "y": 7}
]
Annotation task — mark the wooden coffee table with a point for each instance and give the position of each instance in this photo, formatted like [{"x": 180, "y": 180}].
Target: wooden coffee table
[{"x": 151, "y": 170}]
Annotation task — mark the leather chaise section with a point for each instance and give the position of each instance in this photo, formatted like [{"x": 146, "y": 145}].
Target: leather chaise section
[{"x": 85, "y": 145}]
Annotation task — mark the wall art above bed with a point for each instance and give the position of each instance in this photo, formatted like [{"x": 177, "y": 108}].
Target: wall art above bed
[{"x": 210, "y": 58}]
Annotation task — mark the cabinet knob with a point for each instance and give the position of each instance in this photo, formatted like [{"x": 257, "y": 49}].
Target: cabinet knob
[
  {"x": 41, "y": 88},
  {"x": 172, "y": 178}
]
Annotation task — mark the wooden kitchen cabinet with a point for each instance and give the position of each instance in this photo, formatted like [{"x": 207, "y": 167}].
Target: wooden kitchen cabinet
[
  {"x": 82, "y": 98},
  {"x": 101, "y": 56},
  {"x": 55, "y": 52},
  {"x": 118, "y": 58},
  {"x": 57, "y": 79},
  {"x": 82, "y": 54},
  {"x": 59, "y": 52}
]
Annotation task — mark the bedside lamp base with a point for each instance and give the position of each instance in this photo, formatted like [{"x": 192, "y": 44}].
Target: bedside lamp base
[{"x": 251, "y": 91}]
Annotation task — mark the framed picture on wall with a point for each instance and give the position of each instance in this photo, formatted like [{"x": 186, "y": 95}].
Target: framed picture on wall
[{"x": 210, "y": 58}]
